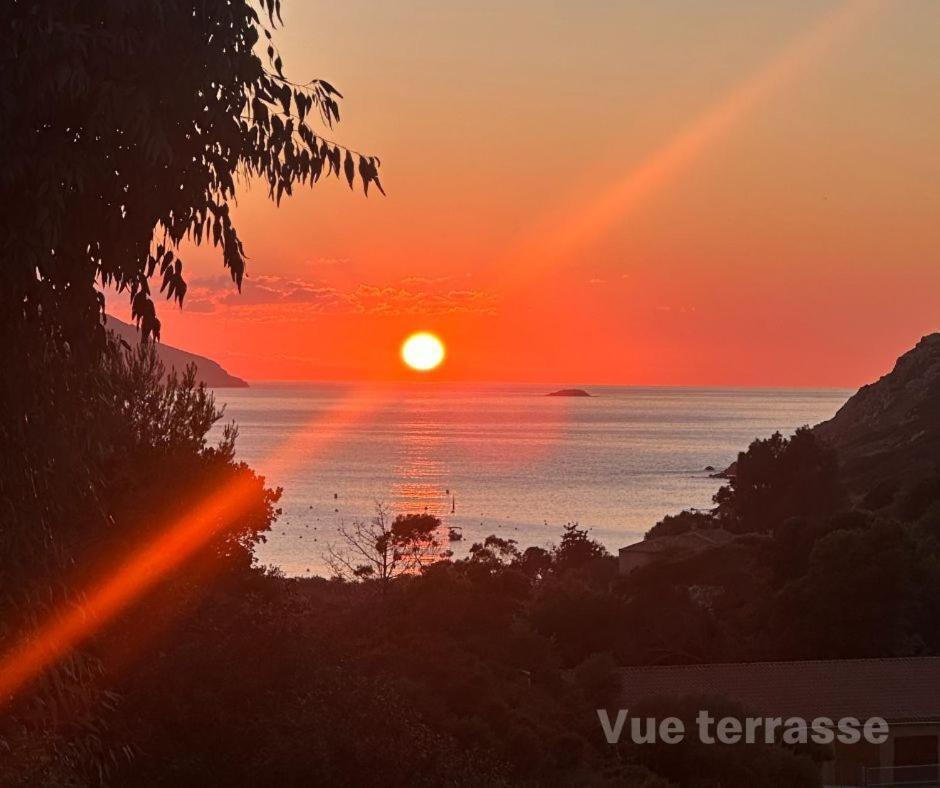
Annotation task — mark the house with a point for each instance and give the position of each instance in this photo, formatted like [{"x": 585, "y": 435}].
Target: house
[
  {"x": 905, "y": 692},
  {"x": 646, "y": 552}
]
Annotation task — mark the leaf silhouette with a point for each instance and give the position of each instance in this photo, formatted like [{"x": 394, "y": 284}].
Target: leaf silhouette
[
  {"x": 170, "y": 167},
  {"x": 329, "y": 88}
]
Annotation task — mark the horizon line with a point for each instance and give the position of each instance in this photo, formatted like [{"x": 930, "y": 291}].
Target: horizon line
[{"x": 547, "y": 384}]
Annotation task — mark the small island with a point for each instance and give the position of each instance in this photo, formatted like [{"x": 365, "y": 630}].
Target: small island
[{"x": 569, "y": 393}]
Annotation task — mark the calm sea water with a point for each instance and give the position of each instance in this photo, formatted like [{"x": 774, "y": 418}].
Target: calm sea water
[{"x": 497, "y": 459}]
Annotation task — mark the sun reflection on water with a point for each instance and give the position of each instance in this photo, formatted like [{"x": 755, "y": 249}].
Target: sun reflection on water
[{"x": 421, "y": 474}]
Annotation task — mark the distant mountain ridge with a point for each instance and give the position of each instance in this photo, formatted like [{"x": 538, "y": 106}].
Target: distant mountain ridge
[{"x": 210, "y": 372}]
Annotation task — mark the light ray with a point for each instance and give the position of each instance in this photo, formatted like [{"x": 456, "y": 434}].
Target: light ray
[
  {"x": 553, "y": 240},
  {"x": 178, "y": 541}
]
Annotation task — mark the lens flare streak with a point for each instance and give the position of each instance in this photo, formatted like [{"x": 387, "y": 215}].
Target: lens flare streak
[
  {"x": 551, "y": 241},
  {"x": 144, "y": 568}
]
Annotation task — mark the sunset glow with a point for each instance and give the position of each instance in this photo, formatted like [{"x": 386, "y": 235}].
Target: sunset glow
[
  {"x": 403, "y": 392},
  {"x": 676, "y": 155},
  {"x": 649, "y": 213}
]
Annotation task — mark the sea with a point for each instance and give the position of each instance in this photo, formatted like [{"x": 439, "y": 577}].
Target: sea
[{"x": 496, "y": 459}]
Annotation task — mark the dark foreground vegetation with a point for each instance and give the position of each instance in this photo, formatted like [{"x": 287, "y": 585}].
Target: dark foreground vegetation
[
  {"x": 486, "y": 670},
  {"x": 126, "y": 126}
]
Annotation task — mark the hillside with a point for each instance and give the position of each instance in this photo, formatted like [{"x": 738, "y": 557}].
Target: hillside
[
  {"x": 209, "y": 371},
  {"x": 889, "y": 431}
]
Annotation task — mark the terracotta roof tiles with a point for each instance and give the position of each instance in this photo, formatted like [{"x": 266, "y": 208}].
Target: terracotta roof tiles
[{"x": 904, "y": 689}]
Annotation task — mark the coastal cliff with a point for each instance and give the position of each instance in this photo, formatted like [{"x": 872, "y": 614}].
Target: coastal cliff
[
  {"x": 208, "y": 371},
  {"x": 889, "y": 431}
]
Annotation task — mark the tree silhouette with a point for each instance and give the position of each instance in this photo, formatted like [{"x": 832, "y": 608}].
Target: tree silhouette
[
  {"x": 777, "y": 478},
  {"x": 577, "y": 548},
  {"x": 383, "y": 548},
  {"x": 101, "y": 458},
  {"x": 127, "y": 128}
]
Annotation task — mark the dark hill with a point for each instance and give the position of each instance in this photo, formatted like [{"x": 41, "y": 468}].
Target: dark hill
[
  {"x": 569, "y": 393},
  {"x": 207, "y": 370},
  {"x": 888, "y": 433}
]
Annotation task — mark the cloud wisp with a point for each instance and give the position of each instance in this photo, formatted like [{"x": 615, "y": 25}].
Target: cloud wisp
[{"x": 262, "y": 294}]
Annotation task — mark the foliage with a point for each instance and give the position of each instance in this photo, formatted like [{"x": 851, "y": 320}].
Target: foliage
[
  {"x": 685, "y": 521},
  {"x": 692, "y": 762},
  {"x": 494, "y": 551},
  {"x": 128, "y": 127},
  {"x": 266, "y": 684},
  {"x": 105, "y": 454},
  {"x": 439, "y": 681},
  {"x": 777, "y": 478},
  {"x": 867, "y": 592},
  {"x": 577, "y": 548},
  {"x": 487, "y": 670},
  {"x": 385, "y": 548}
]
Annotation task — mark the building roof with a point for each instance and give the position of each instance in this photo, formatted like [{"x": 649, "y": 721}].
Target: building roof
[
  {"x": 899, "y": 690},
  {"x": 694, "y": 539}
]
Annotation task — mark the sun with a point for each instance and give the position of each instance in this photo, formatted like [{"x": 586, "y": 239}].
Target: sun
[{"x": 422, "y": 351}]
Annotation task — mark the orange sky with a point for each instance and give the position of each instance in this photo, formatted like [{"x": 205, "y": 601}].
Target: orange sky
[{"x": 723, "y": 193}]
